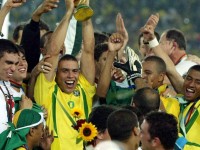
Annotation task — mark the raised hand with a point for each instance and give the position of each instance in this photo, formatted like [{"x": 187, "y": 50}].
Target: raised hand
[
  {"x": 42, "y": 66},
  {"x": 44, "y": 7},
  {"x": 47, "y": 139},
  {"x": 153, "y": 20},
  {"x": 47, "y": 6},
  {"x": 149, "y": 28},
  {"x": 118, "y": 75},
  {"x": 115, "y": 42},
  {"x": 69, "y": 5},
  {"x": 121, "y": 28},
  {"x": 14, "y": 3}
]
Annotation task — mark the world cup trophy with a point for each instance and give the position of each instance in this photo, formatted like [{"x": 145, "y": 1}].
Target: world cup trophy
[{"x": 82, "y": 11}]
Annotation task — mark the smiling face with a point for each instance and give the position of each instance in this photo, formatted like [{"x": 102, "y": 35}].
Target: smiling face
[
  {"x": 21, "y": 69},
  {"x": 67, "y": 75},
  {"x": 191, "y": 85},
  {"x": 8, "y": 62}
]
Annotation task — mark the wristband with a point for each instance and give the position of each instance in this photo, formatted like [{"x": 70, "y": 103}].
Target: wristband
[{"x": 153, "y": 43}]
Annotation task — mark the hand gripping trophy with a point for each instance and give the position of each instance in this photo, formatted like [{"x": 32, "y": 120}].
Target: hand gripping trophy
[{"x": 83, "y": 11}]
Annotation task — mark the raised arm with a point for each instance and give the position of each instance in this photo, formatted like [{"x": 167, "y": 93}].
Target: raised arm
[
  {"x": 6, "y": 9},
  {"x": 42, "y": 66},
  {"x": 44, "y": 7},
  {"x": 56, "y": 41},
  {"x": 122, "y": 30},
  {"x": 31, "y": 33},
  {"x": 87, "y": 58},
  {"x": 115, "y": 43},
  {"x": 148, "y": 34}
]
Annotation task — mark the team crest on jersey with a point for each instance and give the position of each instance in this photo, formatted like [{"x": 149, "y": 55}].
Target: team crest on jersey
[
  {"x": 76, "y": 93},
  {"x": 71, "y": 104}
]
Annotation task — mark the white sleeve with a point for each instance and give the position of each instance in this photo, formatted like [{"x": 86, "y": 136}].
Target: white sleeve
[{"x": 3, "y": 113}]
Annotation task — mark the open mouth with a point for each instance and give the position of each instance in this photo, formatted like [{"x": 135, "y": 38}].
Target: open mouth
[
  {"x": 70, "y": 83},
  {"x": 189, "y": 92},
  {"x": 10, "y": 74},
  {"x": 22, "y": 70}
]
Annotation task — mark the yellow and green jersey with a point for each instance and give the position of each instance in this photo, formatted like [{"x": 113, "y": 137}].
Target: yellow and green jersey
[{"x": 60, "y": 105}]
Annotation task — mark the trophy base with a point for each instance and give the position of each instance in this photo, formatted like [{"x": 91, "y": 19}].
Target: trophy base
[{"x": 83, "y": 12}]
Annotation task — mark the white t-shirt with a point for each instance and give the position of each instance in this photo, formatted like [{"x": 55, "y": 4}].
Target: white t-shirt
[
  {"x": 17, "y": 94},
  {"x": 184, "y": 65},
  {"x": 3, "y": 110}
]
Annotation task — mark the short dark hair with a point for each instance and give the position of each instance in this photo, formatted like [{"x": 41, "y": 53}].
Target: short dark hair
[
  {"x": 161, "y": 66},
  {"x": 100, "y": 37},
  {"x": 19, "y": 27},
  {"x": 136, "y": 110},
  {"x": 141, "y": 35},
  {"x": 7, "y": 46},
  {"x": 163, "y": 126},
  {"x": 195, "y": 67},
  {"x": 121, "y": 123},
  {"x": 99, "y": 116},
  {"x": 146, "y": 100},
  {"x": 68, "y": 57},
  {"x": 99, "y": 49},
  {"x": 177, "y": 36},
  {"x": 20, "y": 49}
]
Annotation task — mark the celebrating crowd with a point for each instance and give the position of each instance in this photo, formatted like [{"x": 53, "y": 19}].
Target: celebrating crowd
[{"x": 97, "y": 93}]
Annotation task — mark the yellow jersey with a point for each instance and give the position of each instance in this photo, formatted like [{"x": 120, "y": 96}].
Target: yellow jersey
[
  {"x": 171, "y": 104},
  {"x": 189, "y": 121},
  {"x": 58, "y": 104},
  {"x": 21, "y": 148}
]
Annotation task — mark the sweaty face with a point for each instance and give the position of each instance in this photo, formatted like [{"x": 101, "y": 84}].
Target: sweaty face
[
  {"x": 191, "y": 85},
  {"x": 151, "y": 75},
  {"x": 67, "y": 75},
  {"x": 8, "y": 62},
  {"x": 145, "y": 136},
  {"x": 21, "y": 69}
]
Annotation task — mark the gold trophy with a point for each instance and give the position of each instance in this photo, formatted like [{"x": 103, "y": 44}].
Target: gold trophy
[{"x": 82, "y": 12}]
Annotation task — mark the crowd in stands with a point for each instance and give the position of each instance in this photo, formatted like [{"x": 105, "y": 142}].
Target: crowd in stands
[{"x": 74, "y": 88}]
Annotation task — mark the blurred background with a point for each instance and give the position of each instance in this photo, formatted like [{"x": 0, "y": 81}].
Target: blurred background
[{"x": 180, "y": 14}]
